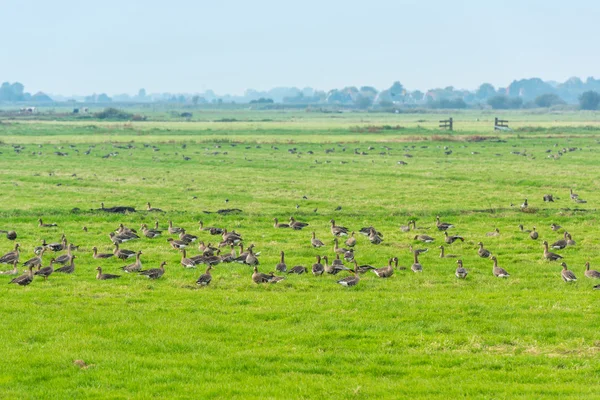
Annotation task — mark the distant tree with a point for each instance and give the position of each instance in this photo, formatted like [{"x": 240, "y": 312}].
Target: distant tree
[
  {"x": 103, "y": 98},
  {"x": 456, "y": 103},
  {"x": 12, "y": 92},
  {"x": 589, "y": 100},
  {"x": 195, "y": 100},
  {"x": 548, "y": 100},
  {"x": 397, "y": 92},
  {"x": 142, "y": 93},
  {"x": 485, "y": 91},
  {"x": 262, "y": 100},
  {"x": 504, "y": 102},
  {"x": 417, "y": 95},
  {"x": 363, "y": 102},
  {"x": 114, "y": 114}
]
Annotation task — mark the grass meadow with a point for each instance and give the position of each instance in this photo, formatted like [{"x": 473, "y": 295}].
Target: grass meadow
[{"x": 425, "y": 335}]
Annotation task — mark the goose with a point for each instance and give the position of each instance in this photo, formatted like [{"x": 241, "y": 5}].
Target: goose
[
  {"x": 296, "y": 224},
  {"x": 136, "y": 266},
  {"x": 496, "y": 232},
  {"x": 205, "y": 229},
  {"x": 13, "y": 271},
  {"x": 126, "y": 231},
  {"x": 177, "y": 244},
  {"x": 186, "y": 237},
  {"x": 316, "y": 243},
  {"x": 205, "y": 278},
  {"x": 362, "y": 268},
  {"x": 251, "y": 258},
  {"x": 483, "y": 253},
  {"x": 497, "y": 271},
  {"x": 123, "y": 254},
  {"x": 229, "y": 257},
  {"x": 337, "y": 249},
  {"x": 533, "y": 234},
  {"x": 10, "y": 235},
  {"x": 152, "y": 209},
  {"x": 350, "y": 280},
  {"x": 548, "y": 198},
  {"x": 65, "y": 258},
  {"x": 46, "y": 271},
  {"x": 102, "y": 277},
  {"x": 366, "y": 231},
  {"x": 281, "y": 267},
  {"x": 243, "y": 254},
  {"x": 548, "y": 255},
  {"x": 58, "y": 246},
  {"x": 278, "y": 225},
  {"x": 525, "y": 204},
  {"x": 418, "y": 251},
  {"x": 567, "y": 276},
  {"x": 338, "y": 230},
  {"x": 405, "y": 228},
  {"x": 35, "y": 261},
  {"x": 387, "y": 271},
  {"x": 461, "y": 272},
  {"x": 24, "y": 279},
  {"x": 11, "y": 256},
  {"x": 70, "y": 268},
  {"x": 523, "y": 229},
  {"x": 150, "y": 233},
  {"x": 452, "y": 239},
  {"x": 351, "y": 241},
  {"x": 173, "y": 229},
  {"x": 416, "y": 267},
  {"x": 374, "y": 238},
  {"x": 570, "y": 241},
  {"x": 298, "y": 269},
  {"x": 424, "y": 238},
  {"x": 185, "y": 261},
  {"x": 154, "y": 273},
  {"x": 337, "y": 265},
  {"x": 444, "y": 255},
  {"x": 442, "y": 226},
  {"x": 555, "y": 227},
  {"x": 414, "y": 225},
  {"x": 326, "y": 267},
  {"x": 120, "y": 238},
  {"x": 349, "y": 255},
  {"x": 574, "y": 196},
  {"x": 41, "y": 224},
  {"x": 232, "y": 237},
  {"x": 562, "y": 243},
  {"x": 259, "y": 277},
  {"x": 317, "y": 268},
  {"x": 591, "y": 273}
]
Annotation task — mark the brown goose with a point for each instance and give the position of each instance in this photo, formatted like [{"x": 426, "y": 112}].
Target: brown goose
[
  {"x": 11, "y": 256},
  {"x": 351, "y": 241},
  {"x": 35, "y": 261},
  {"x": 259, "y": 277},
  {"x": 41, "y": 224},
  {"x": 317, "y": 268},
  {"x": 251, "y": 258},
  {"x": 154, "y": 273},
  {"x": 523, "y": 229},
  {"x": 418, "y": 251},
  {"x": 495, "y": 233},
  {"x": 296, "y": 224},
  {"x": 136, "y": 266},
  {"x": 278, "y": 225},
  {"x": 298, "y": 269},
  {"x": 281, "y": 267},
  {"x": 366, "y": 231},
  {"x": 461, "y": 272},
  {"x": 123, "y": 254},
  {"x": 387, "y": 271},
  {"x": 24, "y": 279},
  {"x": 574, "y": 196},
  {"x": 361, "y": 269},
  {"x": 58, "y": 246},
  {"x": 591, "y": 273},
  {"x": 416, "y": 267},
  {"x": 102, "y": 277},
  {"x": 483, "y": 253},
  {"x": 350, "y": 280},
  {"x": 562, "y": 243},
  {"x": 338, "y": 230},
  {"x": 452, "y": 239},
  {"x": 326, "y": 267},
  {"x": 205, "y": 278},
  {"x": 316, "y": 243},
  {"x": 233, "y": 237},
  {"x": 120, "y": 238},
  {"x": 555, "y": 227},
  {"x": 533, "y": 234},
  {"x": 173, "y": 229},
  {"x": 13, "y": 271},
  {"x": 206, "y": 229},
  {"x": 337, "y": 249},
  {"x": 186, "y": 237},
  {"x": 497, "y": 271},
  {"x": 444, "y": 255},
  {"x": 228, "y": 258},
  {"x": 442, "y": 226},
  {"x": 10, "y": 235},
  {"x": 46, "y": 271},
  {"x": 548, "y": 255},
  {"x": 349, "y": 255},
  {"x": 65, "y": 258},
  {"x": 567, "y": 275},
  {"x": 70, "y": 268},
  {"x": 405, "y": 228},
  {"x": 424, "y": 238},
  {"x": 187, "y": 262},
  {"x": 152, "y": 209},
  {"x": 570, "y": 241},
  {"x": 374, "y": 238},
  {"x": 150, "y": 233},
  {"x": 177, "y": 244}
]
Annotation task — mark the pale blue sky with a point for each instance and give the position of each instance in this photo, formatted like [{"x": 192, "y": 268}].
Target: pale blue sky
[{"x": 79, "y": 47}]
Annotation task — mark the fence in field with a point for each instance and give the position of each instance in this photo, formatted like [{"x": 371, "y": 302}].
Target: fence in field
[
  {"x": 501, "y": 124},
  {"x": 447, "y": 124}
]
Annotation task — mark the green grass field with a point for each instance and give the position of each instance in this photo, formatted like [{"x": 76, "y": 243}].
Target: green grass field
[{"x": 425, "y": 335}]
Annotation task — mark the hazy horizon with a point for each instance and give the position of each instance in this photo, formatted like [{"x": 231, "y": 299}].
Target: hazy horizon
[{"x": 76, "y": 48}]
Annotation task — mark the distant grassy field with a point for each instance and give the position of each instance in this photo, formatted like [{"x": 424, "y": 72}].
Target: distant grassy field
[{"x": 423, "y": 335}]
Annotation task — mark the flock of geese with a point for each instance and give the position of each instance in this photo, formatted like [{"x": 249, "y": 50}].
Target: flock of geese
[{"x": 210, "y": 255}]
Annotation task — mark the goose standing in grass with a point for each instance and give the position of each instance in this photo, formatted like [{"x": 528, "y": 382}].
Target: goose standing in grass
[
  {"x": 185, "y": 261},
  {"x": 495, "y": 233},
  {"x": 70, "y": 268},
  {"x": 591, "y": 273},
  {"x": 177, "y": 244},
  {"x": 278, "y": 225},
  {"x": 102, "y": 277},
  {"x": 561, "y": 243},
  {"x": 186, "y": 237},
  {"x": 498, "y": 271},
  {"x": 461, "y": 272},
  {"x": 452, "y": 239},
  {"x": 150, "y": 233},
  {"x": 567, "y": 275},
  {"x": 442, "y": 226},
  {"x": 574, "y": 196},
  {"x": 444, "y": 255},
  {"x": 251, "y": 258},
  {"x": 374, "y": 238},
  {"x": 136, "y": 266},
  {"x": 351, "y": 241},
  {"x": 570, "y": 241},
  {"x": 555, "y": 227},
  {"x": 317, "y": 268},
  {"x": 41, "y": 224},
  {"x": 35, "y": 261},
  {"x": 281, "y": 266},
  {"x": 173, "y": 230},
  {"x": 65, "y": 258},
  {"x": 154, "y": 273},
  {"x": 416, "y": 267},
  {"x": 296, "y": 224},
  {"x": 405, "y": 228},
  {"x": 205, "y": 278},
  {"x": 418, "y": 251},
  {"x": 533, "y": 234},
  {"x": 338, "y": 230},
  {"x": 316, "y": 243},
  {"x": 46, "y": 271},
  {"x": 152, "y": 209},
  {"x": 548, "y": 255},
  {"x": 363, "y": 268},
  {"x": 337, "y": 249},
  {"x": 388, "y": 270},
  {"x": 123, "y": 254},
  {"x": 24, "y": 279},
  {"x": 349, "y": 255},
  {"x": 424, "y": 238},
  {"x": 11, "y": 256},
  {"x": 525, "y": 204},
  {"x": 523, "y": 229},
  {"x": 482, "y": 252},
  {"x": 10, "y": 235},
  {"x": 13, "y": 271},
  {"x": 298, "y": 269},
  {"x": 350, "y": 280}
]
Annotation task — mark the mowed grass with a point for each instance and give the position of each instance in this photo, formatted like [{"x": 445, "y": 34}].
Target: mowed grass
[{"x": 423, "y": 336}]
